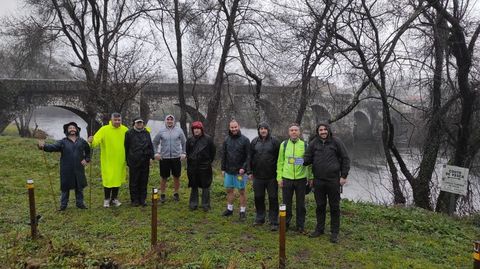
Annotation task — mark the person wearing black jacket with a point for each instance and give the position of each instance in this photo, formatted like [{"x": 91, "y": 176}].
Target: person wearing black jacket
[
  {"x": 330, "y": 166},
  {"x": 200, "y": 155},
  {"x": 75, "y": 156},
  {"x": 263, "y": 170},
  {"x": 138, "y": 152},
  {"x": 235, "y": 158}
]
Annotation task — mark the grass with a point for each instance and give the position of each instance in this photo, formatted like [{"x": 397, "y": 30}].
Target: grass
[{"x": 371, "y": 236}]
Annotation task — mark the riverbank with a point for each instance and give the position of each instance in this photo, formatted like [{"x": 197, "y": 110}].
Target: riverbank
[{"x": 371, "y": 236}]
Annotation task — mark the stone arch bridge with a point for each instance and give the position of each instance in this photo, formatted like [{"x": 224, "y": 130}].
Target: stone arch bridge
[{"x": 279, "y": 105}]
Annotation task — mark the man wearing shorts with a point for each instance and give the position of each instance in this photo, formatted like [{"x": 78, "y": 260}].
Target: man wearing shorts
[
  {"x": 235, "y": 158},
  {"x": 169, "y": 145}
]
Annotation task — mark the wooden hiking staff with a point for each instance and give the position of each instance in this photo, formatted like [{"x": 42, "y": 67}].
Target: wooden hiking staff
[
  {"x": 90, "y": 168},
  {"x": 49, "y": 177}
]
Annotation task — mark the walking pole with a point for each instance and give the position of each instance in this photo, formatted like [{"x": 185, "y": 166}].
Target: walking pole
[
  {"x": 90, "y": 179},
  {"x": 49, "y": 178},
  {"x": 90, "y": 169}
]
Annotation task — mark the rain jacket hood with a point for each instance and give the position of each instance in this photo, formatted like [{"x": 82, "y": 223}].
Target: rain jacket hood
[
  {"x": 169, "y": 116},
  {"x": 264, "y": 125},
  {"x": 65, "y": 128},
  {"x": 326, "y": 125}
]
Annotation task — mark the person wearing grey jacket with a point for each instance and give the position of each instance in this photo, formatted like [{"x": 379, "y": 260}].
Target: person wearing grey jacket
[{"x": 170, "y": 150}]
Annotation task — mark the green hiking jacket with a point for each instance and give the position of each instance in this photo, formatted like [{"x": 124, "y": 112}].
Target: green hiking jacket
[{"x": 289, "y": 163}]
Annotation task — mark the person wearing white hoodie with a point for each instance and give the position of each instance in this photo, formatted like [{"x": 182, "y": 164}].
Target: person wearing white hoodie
[{"x": 170, "y": 150}]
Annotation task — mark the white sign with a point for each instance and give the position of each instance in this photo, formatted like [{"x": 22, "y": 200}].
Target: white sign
[{"x": 454, "y": 179}]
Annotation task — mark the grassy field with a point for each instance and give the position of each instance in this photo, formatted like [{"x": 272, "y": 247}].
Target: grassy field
[{"x": 371, "y": 236}]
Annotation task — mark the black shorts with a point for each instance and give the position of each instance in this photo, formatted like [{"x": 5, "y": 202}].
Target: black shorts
[{"x": 173, "y": 166}]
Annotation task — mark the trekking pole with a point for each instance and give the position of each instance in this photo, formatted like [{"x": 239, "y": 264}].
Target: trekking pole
[
  {"x": 49, "y": 178},
  {"x": 31, "y": 202},
  {"x": 476, "y": 255},
  {"x": 282, "y": 257},
  {"x": 90, "y": 179},
  {"x": 154, "y": 217},
  {"x": 90, "y": 169}
]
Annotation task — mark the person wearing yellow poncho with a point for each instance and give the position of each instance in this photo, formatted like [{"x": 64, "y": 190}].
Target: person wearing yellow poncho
[{"x": 111, "y": 139}]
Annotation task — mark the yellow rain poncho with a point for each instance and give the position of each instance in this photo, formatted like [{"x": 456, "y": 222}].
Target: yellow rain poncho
[{"x": 112, "y": 154}]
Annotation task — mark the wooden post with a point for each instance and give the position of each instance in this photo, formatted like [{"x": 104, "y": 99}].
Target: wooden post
[
  {"x": 476, "y": 255},
  {"x": 154, "y": 216},
  {"x": 282, "y": 230},
  {"x": 33, "y": 214}
]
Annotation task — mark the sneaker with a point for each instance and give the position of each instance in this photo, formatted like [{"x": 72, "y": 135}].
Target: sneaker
[
  {"x": 316, "y": 233},
  {"x": 106, "y": 203},
  {"x": 227, "y": 213},
  {"x": 242, "y": 216},
  {"x": 163, "y": 199},
  {"x": 274, "y": 228},
  {"x": 116, "y": 202},
  {"x": 334, "y": 238},
  {"x": 82, "y": 206},
  {"x": 176, "y": 197}
]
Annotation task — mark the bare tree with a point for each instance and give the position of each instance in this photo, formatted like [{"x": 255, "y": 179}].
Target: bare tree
[{"x": 96, "y": 33}]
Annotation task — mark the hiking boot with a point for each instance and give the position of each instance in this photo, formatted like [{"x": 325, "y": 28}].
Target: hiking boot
[
  {"x": 227, "y": 213},
  {"x": 116, "y": 202},
  {"x": 257, "y": 223},
  {"x": 163, "y": 199},
  {"x": 334, "y": 238},
  {"x": 176, "y": 197},
  {"x": 106, "y": 203},
  {"x": 316, "y": 233},
  {"x": 242, "y": 216}
]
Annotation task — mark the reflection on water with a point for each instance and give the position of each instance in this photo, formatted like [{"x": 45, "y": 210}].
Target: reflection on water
[{"x": 368, "y": 179}]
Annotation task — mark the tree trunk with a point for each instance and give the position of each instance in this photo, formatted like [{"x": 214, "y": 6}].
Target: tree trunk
[
  {"x": 179, "y": 66},
  {"x": 214, "y": 103}
]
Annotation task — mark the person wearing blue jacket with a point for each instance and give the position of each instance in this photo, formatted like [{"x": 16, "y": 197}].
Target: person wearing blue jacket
[
  {"x": 170, "y": 149},
  {"x": 75, "y": 155}
]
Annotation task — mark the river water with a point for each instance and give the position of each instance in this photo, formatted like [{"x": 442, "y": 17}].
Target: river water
[{"x": 368, "y": 179}]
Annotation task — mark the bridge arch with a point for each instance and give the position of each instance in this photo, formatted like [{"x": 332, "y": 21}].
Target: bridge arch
[
  {"x": 362, "y": 127},
  {"x": 320, "y": 113}
]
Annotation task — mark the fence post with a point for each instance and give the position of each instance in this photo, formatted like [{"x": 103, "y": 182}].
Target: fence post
[
  {"x": 476, "y": 255},
  {"x": 33, "y": 214},
  {"x": 154, "y": 216},
  {"x": 282, "y": 230}
]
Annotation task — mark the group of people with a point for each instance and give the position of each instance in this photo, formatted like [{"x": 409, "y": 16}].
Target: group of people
[{"x": 297, "y": 167}]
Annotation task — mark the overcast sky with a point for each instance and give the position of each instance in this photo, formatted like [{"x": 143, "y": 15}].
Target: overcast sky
[{"x": 9, "y": 7}]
